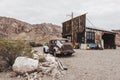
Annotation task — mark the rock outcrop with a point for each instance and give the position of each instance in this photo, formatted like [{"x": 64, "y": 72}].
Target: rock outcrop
[
  {"x": 32, "y": 70},
  {"x": 24, "y": 65}
]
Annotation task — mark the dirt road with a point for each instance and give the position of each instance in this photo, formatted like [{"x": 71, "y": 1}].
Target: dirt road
[{"x": 93, "y": 65}]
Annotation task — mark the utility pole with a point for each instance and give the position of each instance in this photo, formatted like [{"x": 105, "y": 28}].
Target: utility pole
[{"x": 72, "y": 28}]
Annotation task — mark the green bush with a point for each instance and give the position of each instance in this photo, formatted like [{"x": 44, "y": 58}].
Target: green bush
[{"x": 10, "y": 50}]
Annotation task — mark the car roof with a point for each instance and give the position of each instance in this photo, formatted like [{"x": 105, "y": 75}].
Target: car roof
[{"x": 59, "y": 39}]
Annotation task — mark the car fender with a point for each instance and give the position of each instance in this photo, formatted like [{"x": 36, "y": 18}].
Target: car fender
[
  {"x": 56, "y": 48},
  {"x": 46, "y": 48}
]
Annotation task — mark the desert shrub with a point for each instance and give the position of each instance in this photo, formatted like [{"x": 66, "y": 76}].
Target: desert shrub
[
  {"x": 34, "y": 44},
  {"x": 42, "y": 58},
  {"x": 10, "y": 50},
  {"x": 118, "y": 45}
]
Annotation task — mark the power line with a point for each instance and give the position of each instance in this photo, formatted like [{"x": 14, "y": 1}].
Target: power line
[{"x": 90, "y": 22}]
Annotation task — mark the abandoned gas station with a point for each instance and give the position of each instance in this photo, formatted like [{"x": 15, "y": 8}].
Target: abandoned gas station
[{"x": 76, "y": 31}]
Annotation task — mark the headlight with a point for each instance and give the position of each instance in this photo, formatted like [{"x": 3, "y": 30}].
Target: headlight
[{"x": 56, "y": 48}]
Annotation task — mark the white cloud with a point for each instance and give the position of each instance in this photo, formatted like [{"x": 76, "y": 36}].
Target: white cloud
[{"x": 103, "y": 13}]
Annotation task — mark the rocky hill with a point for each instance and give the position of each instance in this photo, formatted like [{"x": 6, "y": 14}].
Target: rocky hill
[
  {"x": 14, "y": 29},
  {"x": 117, "y": 36}
]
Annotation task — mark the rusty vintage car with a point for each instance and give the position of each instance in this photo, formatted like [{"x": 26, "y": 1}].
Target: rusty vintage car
[{"x": 59, "y": 46}]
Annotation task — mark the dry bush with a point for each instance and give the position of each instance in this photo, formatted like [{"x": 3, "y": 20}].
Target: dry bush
[
  {"x": 34, "y": 44},
  {"x": 10, "y": 50},
  {"x": 42, "y": 58}
]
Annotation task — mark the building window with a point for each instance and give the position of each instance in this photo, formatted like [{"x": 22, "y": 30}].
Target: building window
[{"x": 90, "y": 37}]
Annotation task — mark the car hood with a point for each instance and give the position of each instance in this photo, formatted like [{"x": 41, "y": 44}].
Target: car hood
[{"x": 67, "y": 46}]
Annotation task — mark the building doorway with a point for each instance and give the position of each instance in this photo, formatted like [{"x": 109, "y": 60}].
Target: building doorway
[{"x": 109, "y": 41}]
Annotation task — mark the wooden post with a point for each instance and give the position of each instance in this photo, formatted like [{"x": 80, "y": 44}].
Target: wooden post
[{"x": 73, "y": 41}]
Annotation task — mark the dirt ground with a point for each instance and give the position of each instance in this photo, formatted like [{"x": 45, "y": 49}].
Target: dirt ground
[
  {"x": 88, "y": 65},
  {"x": 93, "y": 65}
]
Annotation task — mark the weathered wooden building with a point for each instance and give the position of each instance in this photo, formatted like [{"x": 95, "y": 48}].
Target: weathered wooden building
[
  {"x": 76, "y": 31},
  {"x": 102, "y": 37},
  {"x": 75, "y": 28}
]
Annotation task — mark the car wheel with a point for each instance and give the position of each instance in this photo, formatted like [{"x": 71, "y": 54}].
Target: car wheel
[
  {"x": 69, "y": 54},
  {"x": 54, "y": 54}
]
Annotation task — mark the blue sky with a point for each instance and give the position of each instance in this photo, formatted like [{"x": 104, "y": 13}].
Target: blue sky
[{"x": 104, "y": 14}]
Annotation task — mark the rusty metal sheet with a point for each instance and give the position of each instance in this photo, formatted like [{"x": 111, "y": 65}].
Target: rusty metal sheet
[{"x": 98, "y": 36}]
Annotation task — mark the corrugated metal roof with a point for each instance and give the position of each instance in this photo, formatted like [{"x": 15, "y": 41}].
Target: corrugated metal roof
[{"x": 99, "y": 29}]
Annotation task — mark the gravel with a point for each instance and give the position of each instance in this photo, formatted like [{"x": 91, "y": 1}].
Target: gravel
[{"x": 93, "y": 65}]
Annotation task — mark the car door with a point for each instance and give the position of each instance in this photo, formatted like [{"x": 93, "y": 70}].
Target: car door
[{"x": 51, "y": 46}]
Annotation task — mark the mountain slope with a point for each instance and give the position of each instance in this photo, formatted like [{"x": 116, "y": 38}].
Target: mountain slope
[
  {"x": 118, "y": 39},
  {"x": 18, "y": 30}
]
